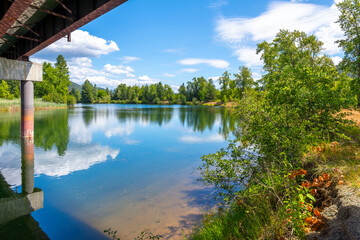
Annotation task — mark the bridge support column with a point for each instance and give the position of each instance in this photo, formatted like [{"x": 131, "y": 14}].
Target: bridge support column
[
  {"x": 27, "y": 109},
  {"x": 27, "y": 165},
  {"x": 27, "y": 73}
]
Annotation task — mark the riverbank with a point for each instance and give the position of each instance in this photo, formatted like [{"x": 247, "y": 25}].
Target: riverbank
[
  {"x": 323, "y": 193},
  {"x": 39, "y": 104},
  {"x": 15, "y": 104}
]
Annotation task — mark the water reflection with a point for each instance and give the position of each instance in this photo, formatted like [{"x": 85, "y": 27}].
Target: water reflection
[
  {"x": 127, "y": 167},
  {"x": 15, "y": 208},
  {"x": 27, "y": 165},
  {"x": 52, "y": 129},
  {"x": 157, "y": 115}
]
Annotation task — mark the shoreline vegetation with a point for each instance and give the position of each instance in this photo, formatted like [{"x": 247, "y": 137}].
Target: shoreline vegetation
[
  {"x": 15, "y": 105},
  {"x": 294, "y": 170}
]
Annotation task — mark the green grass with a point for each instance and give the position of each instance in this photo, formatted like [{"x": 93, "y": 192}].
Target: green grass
[
  {"x": 258, "y": 216},
  {"x": 15, "y": 104}
]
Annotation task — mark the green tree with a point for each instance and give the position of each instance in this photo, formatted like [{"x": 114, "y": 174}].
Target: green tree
[
  {"x": 210, "y": 91},
  {"x": 350, "y": 24},
  {"x": 101, "y": 94},
  {"x": 201, "y": 88},
  {"x": 4, "y": 91},
  {"x": 224, "y": 81},
  {"x": 14, "y": 88},
  {"x": 63, "y": 80},
  {"x": 54, "y": 87},
  {"x": 299, "y": 107},
  {"x": 77, "y": 95},
  {"x": 61, "y": 65},
  {"x": 87, "y": 95},
  {"x": 182, "y": 89},
  {"x": 152, "y": 94},
  {"x": 303, "y": 81},
  {"x": 169, "y": 93},
  {"x": 243, "y": 81},
  {"x": 160, "y": 91}
]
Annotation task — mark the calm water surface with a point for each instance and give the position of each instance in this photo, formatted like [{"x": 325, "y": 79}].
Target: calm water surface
[{"x": 125, "y": 167}]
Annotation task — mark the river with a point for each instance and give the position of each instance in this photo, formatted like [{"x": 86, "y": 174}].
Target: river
[{"x": 124, "y": 167}]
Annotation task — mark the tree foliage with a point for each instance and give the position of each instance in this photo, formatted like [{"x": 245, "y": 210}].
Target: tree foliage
[
  {"x": 350, "y": 24},
  {"x": 303, "y": 94},
  {"x": 4, "y": 90},
  {"x": 87, "y": 93},
  {"x": 54, "y": 87}
]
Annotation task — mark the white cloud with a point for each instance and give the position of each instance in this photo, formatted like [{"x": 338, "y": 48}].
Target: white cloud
[
  {"x": 128, "y": 59},
  {"x": 189, "y": 70},
  {"x": 204, "y": 139},
  {"x": 242, "y": 34},
  {"x": 144, "y": 78},
  {"x": 336, "y": 59},
  {"x": 76, "y": 158},
  {"x": 214, "y": 78},
  {"x": 81, "y": 62},
  {"x": 105, "y": 123},
  {"x": 217, "y": 63},
  {"x": 174, "y": 50},
  {"x": 119, "y": 70},
  {"x": 218, "y": 4},
  {"x": 175, "y": 88},
  {"x": 248, "y": 56},
  {"x": 41, "y": 60},
  {"x": 82, "y": 44},
  {"x": 169, "y": 75}
]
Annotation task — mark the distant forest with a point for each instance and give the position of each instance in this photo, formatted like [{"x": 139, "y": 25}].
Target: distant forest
[{"x": 57, "y": 87}]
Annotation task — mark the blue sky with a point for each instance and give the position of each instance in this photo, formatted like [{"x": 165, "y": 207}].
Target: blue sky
[{"x": 147, "y": 41}]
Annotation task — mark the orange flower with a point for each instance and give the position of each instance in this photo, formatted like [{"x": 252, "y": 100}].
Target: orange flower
[
  {"x": 317, "y": 212},
  {"x": 327, "y": 184},
  {"x": 326, "y": 176},
  {"x": 340, "y": 182},
  {"x": 302, "y": 172},
  {"x": 309, "y": 207},
  {"x": 315, "y": 182},
  {"x": 321, "y": 179},
  {"x": 306, "y": 184},
  {"x": 313, "y": 191},
  {"x": 309, "y": 220}
]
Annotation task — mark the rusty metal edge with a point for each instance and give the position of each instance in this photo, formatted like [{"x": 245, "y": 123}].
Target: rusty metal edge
[
  {"x": 13, "y": 13},
  {"x": 81, "y": 22}
]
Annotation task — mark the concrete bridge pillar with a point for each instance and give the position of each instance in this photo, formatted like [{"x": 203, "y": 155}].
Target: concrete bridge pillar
[
  {"x": 27, "y": 165},
  {"x": 27, "y": 73},
  {"x": 27, "y": 109}
]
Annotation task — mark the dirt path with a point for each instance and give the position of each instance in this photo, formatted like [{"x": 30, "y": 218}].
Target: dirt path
[{"x": 342, "y": 217}]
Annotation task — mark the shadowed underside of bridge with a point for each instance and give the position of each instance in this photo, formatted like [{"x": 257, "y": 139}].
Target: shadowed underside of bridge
[{"x": 27, "y": 26}]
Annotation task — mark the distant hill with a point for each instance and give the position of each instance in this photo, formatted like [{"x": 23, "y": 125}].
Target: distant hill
[
  {"x": 78, "y": 86},
  {"x": 75, "y": 85}
]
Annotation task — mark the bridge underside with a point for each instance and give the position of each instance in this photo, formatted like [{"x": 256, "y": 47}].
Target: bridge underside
[{"x": 27, "y": 26}]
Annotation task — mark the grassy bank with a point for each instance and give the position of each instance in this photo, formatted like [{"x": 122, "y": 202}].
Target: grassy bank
[
  {"x": 289, "y": 205},
  {"x": 15, "y": 105}
]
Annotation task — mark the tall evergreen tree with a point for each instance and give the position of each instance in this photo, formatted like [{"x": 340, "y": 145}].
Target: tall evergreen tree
[{"x": 87, "y": 93}]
